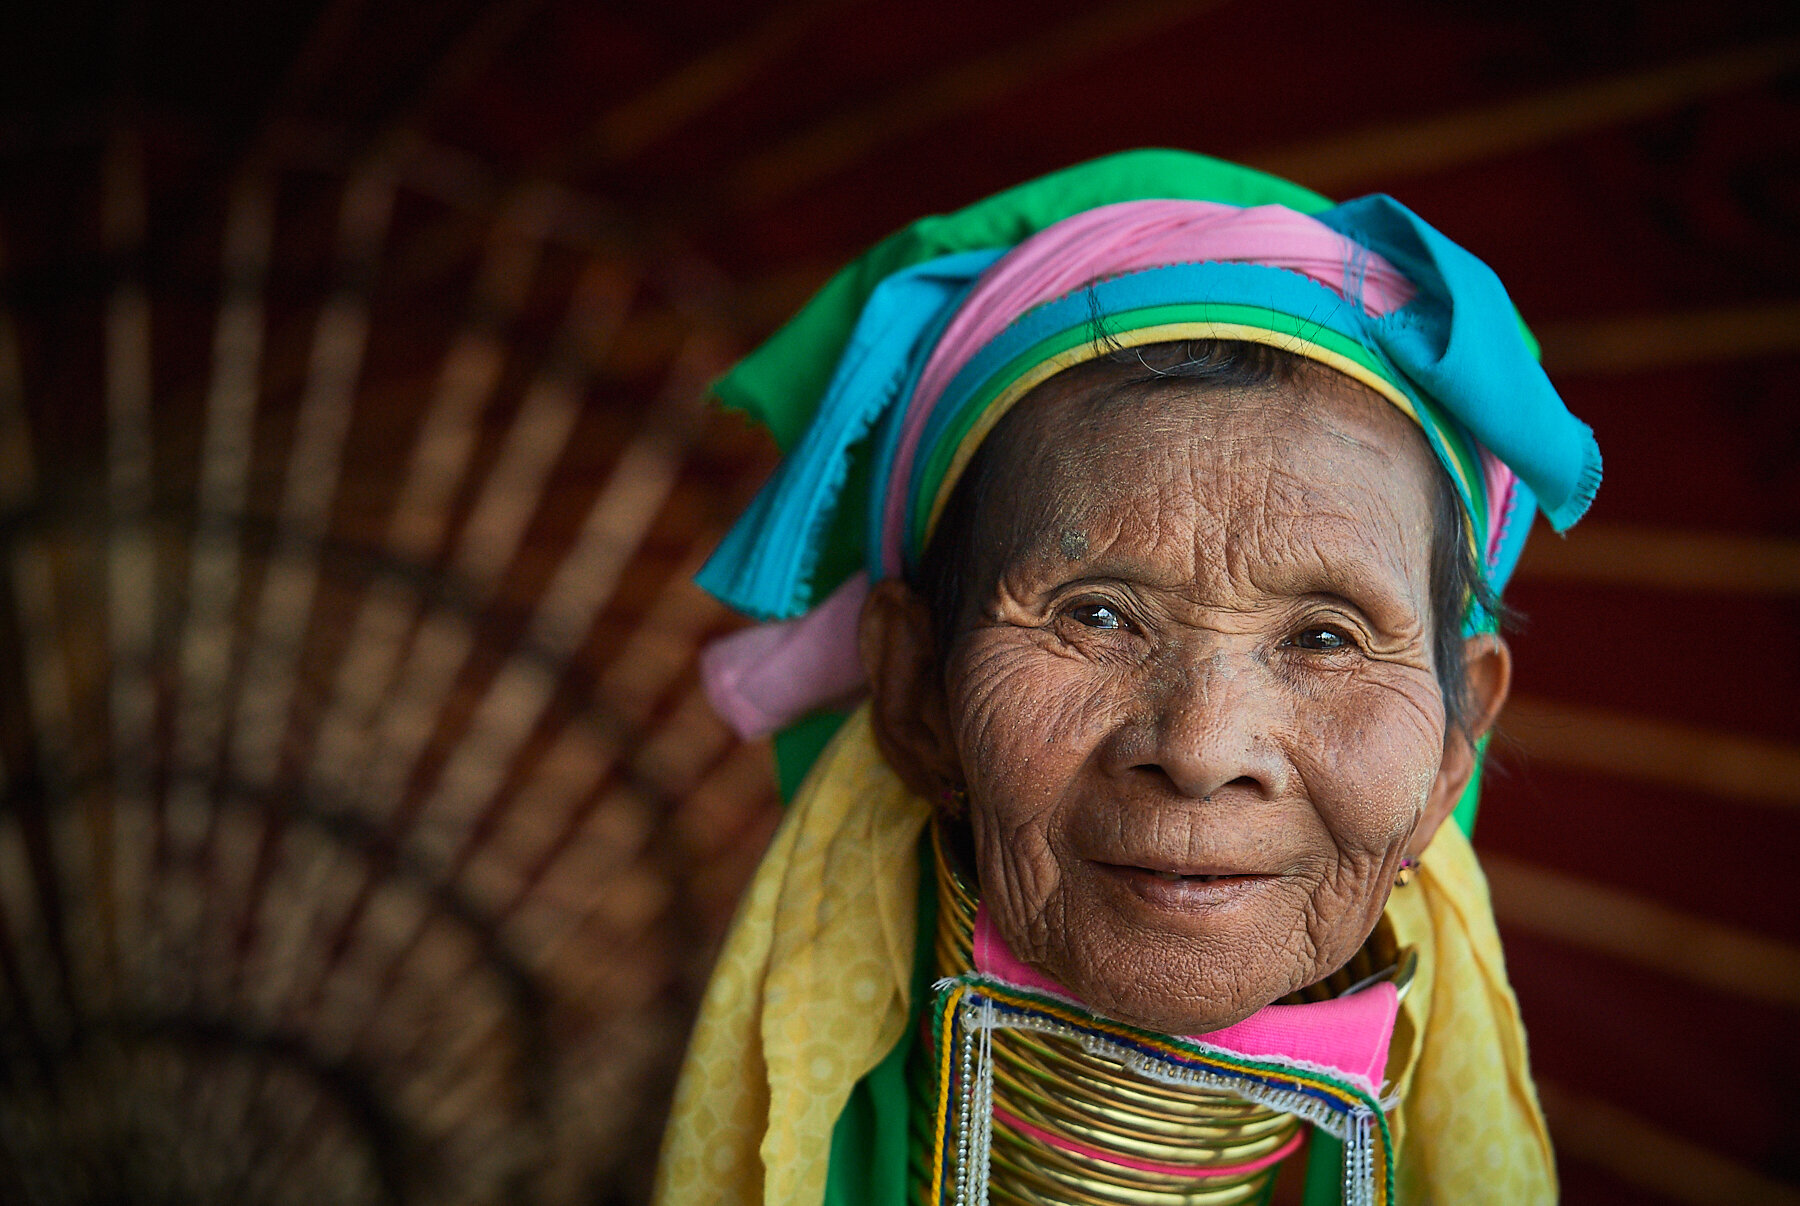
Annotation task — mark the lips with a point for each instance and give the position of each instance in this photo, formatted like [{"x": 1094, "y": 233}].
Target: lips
[{"x": 1177, "y": 892}]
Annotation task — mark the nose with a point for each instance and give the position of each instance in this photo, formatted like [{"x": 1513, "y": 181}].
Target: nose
[{"x": 1209, "y": 724}]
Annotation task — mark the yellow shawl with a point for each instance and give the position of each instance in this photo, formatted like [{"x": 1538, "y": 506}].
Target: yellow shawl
[{"x": 811, "y": 991}]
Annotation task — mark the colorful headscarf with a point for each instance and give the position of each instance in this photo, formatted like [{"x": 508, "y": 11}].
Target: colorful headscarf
[{"x": 931, "y": 337}]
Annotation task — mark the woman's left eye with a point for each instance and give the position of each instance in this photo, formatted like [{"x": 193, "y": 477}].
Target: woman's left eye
[
  {"x": 1322, "y": 640},
  {"x": 1097, "y": 615}
]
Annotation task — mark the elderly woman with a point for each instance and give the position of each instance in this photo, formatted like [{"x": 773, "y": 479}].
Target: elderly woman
[{"x": 1161, "y": 510}]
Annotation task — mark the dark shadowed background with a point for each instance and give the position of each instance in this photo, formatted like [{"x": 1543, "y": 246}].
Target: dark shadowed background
[{"x": 364, "y": 836}]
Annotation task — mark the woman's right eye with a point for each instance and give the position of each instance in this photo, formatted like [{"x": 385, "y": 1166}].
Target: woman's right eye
[{"x": 1097, "y": 615}]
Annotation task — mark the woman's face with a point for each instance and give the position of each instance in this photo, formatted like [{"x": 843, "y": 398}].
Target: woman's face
[{"x": 1196, "y": 710}]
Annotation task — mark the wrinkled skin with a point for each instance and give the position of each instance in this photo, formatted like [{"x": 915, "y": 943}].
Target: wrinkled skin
[{"x": 1200, "y": 647}]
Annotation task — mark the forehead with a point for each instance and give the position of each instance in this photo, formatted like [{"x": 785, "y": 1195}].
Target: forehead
[{"x": 1290, "y": 468}]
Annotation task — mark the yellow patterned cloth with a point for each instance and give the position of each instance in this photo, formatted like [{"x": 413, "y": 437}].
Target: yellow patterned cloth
[{"x": 811, "y": 991}]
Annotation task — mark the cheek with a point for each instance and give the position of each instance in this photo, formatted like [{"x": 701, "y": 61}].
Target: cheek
[
  {"x": 1370, "y": 756},
  {"x": 1026, "y": 722},
  {"x": 1025, "y": 718}
]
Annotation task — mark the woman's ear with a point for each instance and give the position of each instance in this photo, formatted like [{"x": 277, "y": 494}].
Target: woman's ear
[
  {"x": 1487, "y": 677},
  {"x": 906, "y": 688}
]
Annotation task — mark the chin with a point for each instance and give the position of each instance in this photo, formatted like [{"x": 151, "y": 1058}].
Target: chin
[
  {"x": 1163, "y": 1017},
  {"x": 1179, "y": 1001},
  {"x": 1186, "y": 967}
]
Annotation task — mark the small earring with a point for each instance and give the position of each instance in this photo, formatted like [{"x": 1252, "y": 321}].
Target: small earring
[
  {"x": 956, "y": 802},
  {"x": 1405, "y": 875}
]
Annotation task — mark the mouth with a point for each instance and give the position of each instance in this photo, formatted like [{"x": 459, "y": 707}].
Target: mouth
[{"x": 1183, "y": 890}]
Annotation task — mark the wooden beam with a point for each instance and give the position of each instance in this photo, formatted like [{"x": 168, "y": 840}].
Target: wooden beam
[
  {"x": 1432, "y": 144},
  {"x": 1636, "y": 343},
  {"x": 490, "y": 537},
  {"x": 1662, "y": 559},
  {"x": 569, "y": 605},
  {"x": 1668, "y": 1164},
  {"x": 18, "y": 465},
  {"x": 310, "y": 483},
  {"x": 679, "y": 97},
  {"x": 120, "y": 871},
  {"x": 842, "y": 140},
  {"x": 203, "y": 664},
  {"x": 1644, "y": 932},
  {"x": 436, "y": 467},
  {"x": 1750, "y": 769}
]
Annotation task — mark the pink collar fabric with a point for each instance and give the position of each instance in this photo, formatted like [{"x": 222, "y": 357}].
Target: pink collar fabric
[{"x": 1348, "y": 1036}]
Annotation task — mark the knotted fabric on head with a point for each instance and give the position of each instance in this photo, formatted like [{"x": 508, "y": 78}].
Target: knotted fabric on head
[{"x": 1184, "y": 248}]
